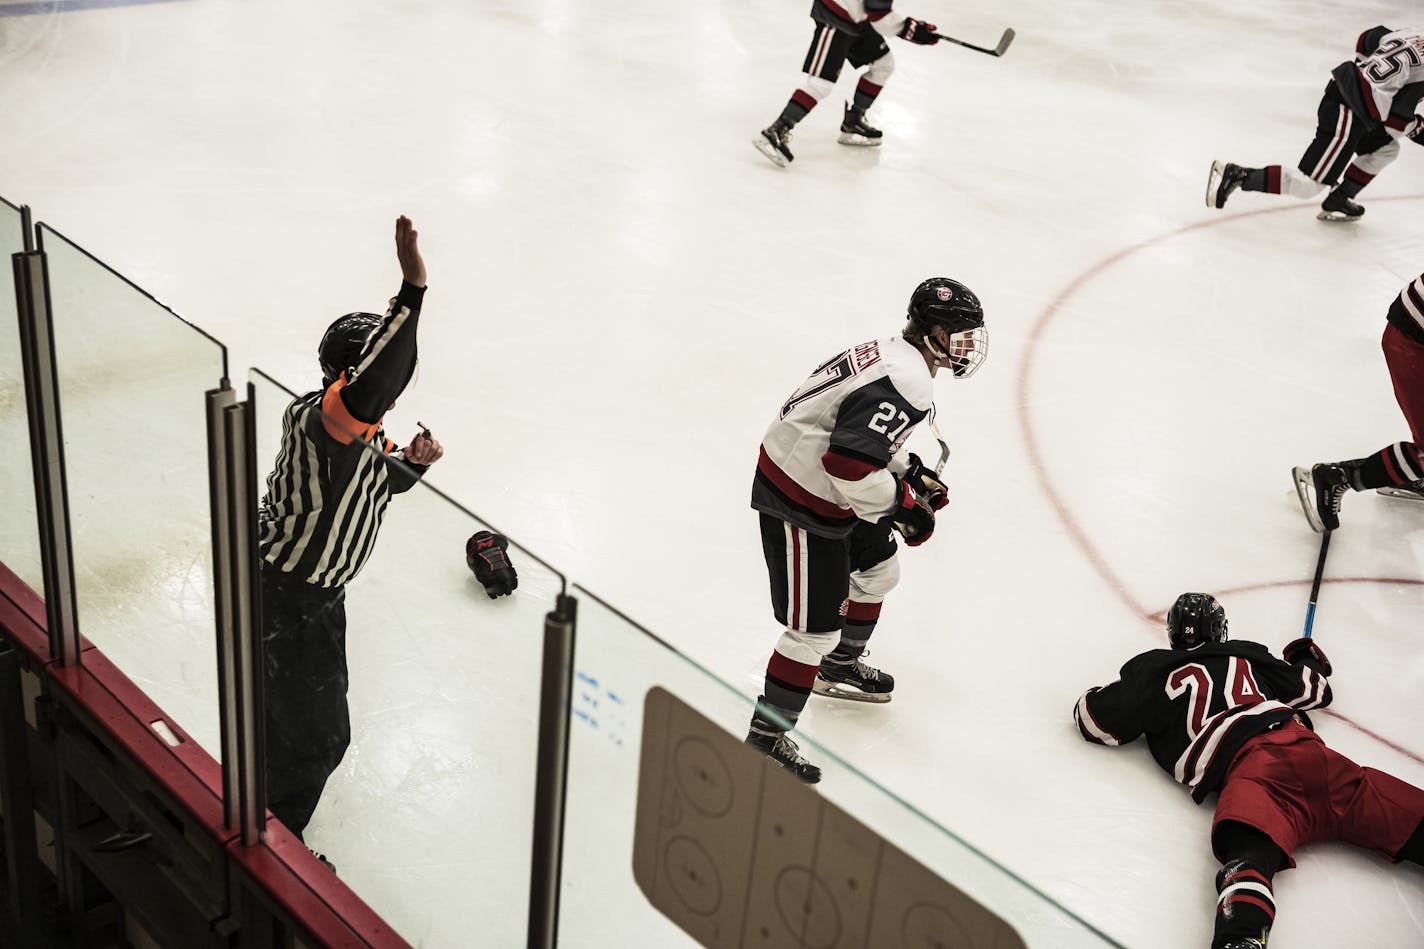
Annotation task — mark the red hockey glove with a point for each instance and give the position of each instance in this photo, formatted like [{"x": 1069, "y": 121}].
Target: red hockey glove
[
  {"x": 926, "y": 483},
  {"x": 918, "y": 31},
  {"x": 485, "y": 555},
  {"x": 1307, "y": 652},
  {"x": 912, "y": 517}
]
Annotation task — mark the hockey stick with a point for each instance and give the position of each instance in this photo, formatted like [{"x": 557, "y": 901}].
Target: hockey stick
[
  {"x": 1004, "y": 42},
  {"x": 943, "y": 445},
  {"x": 1315, "y": 587}
]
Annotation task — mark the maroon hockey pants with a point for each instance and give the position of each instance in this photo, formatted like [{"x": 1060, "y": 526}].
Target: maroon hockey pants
[{"x": 1405, "y": 359}]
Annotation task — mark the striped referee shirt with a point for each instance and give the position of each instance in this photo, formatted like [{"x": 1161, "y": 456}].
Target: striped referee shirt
[{"x": 336, "y": 470}]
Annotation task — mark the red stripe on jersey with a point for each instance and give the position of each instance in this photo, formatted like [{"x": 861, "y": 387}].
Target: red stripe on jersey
[
  {"x": 845, "y": 467},
  {"x": 839, "y": 11},
  {"x": 784, "y": 483},
  {"x": 862, "y": 612},
  {"x": 791, "y": 672},
  {"x": 803, "y": 99},
  {"x": 1367, "y": 93},
  {"x": 1395, "y": 122},
  {"x": 1273, "y": 179}
]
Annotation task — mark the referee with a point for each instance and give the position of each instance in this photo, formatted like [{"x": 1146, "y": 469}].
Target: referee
[{"x": 326, "y": 496}]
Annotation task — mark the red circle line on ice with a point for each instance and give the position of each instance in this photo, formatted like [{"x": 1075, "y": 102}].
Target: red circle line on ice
[{"x": 1091, "y": 553}]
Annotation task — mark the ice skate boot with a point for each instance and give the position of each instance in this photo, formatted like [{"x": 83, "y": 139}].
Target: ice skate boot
[
  {"x": 855, "y": 130},
  {"x": 1320, "y": 489},
  {"x": 768, "y": 737},
  {"x": 1245, "y": 944},
  {"x": 1223, "y": 179},
  {"x": 1337, "y": 207},
  {"x": 852, "y": 679},
  {"x": 775, "y": 143}
]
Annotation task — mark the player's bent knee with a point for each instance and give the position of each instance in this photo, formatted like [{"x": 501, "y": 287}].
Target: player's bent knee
[
  {"x": 877, "y": 581},
  {"x": 880, "y": 70},
  {"x": 817, "y": 88},
  {"x": 807, "y": 648}
]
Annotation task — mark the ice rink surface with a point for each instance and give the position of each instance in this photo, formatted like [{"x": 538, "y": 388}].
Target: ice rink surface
[{"x": 623, "y": 291}]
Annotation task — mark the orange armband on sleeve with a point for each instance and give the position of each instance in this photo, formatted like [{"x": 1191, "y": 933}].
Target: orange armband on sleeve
[{"x": 339, "y": 423}]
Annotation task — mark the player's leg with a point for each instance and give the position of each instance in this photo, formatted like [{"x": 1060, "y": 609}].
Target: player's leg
[
  {"x": 871, "y": 51},
  {"x": 1336, "y": 133},
  {"x": 1245, "y": 897},
  {"x": 1376, "y": 810},
  {"x": 1396, "y": 469},
  {"x": 875, "y": 570},
  {"x": 1376, "y": 149},
  {"x": 809, "y": 581},
  {"x": 822, "y": 68},
  {"x": 307, "y": 724}
]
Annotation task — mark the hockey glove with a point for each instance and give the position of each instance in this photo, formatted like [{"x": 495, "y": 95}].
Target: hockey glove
[
  {"x": 485, "y": 554},
  {"x": 918, "y": 31},
  {"x": 912, "y": 517},
  {"x": 926, "y": 483},
  {"x": 1307, "y": 652}
]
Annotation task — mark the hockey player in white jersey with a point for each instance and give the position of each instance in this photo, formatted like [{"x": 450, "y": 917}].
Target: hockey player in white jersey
[
  {"x": 846, "y": 30},
  {"x": 833, "y": 484},
  {"x": 1368, "y": 106}
]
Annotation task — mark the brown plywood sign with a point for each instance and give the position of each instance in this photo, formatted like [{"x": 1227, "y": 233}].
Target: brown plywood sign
[{"x": 743, "y": 856}]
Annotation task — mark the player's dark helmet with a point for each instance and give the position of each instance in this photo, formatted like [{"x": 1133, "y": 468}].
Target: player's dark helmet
[
  {"x": 940, "y": 302},
  {"x": 1194, "y": 620},
  {"x": 344, "y": 343}
]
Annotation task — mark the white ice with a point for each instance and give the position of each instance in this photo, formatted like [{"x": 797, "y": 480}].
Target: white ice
[{"x": 623, "y": 290}]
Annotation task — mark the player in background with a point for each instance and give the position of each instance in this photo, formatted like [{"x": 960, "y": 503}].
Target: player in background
[
  {"x": 1368, "y": 106},
  {"x": 833, "y": 484},
  {"x": 1230, "y": 717},
  {"x": 1396, "y": 469},
  {"x": 326, "y": 497},
  {"x": 853, "y": 30}
]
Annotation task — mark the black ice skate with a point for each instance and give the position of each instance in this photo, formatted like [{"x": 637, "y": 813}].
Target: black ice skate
[
  {"x": 853, "y": 680},
  {"x": 1223, "y": 179},
  {"x": 775, "y": 143},
  {"x": 855, "y": 130},
  {"x": 773, "y": 743},
  {"x": 1337, "y": 207},
  {"x": 1320, "y": 489}
]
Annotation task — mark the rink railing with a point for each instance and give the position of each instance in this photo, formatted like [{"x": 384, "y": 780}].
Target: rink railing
[{"x": 493, "y": 773}]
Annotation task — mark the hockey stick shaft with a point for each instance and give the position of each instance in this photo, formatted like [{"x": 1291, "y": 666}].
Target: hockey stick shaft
[
  {"x": 943, "y": 445},
  {"x": 1004, "y": 42},
  {"x": 1315, "y": 585}
]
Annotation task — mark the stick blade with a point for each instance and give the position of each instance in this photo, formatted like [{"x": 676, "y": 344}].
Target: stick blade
[
  {"x": 1004, "y": 42},
  {"x": 1305, "y": 490}
]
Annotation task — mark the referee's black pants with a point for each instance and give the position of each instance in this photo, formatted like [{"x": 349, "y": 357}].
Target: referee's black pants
[{"x": 306, "y": 724}]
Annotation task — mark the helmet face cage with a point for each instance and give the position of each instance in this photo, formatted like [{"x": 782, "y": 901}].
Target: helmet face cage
[
  {"x": 1195, "y": 620},
  {"x": 967, "y": 351}
]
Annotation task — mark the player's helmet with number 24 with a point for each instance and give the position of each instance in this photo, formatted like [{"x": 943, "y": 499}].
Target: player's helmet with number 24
[{"x": 1194, "y": 620}]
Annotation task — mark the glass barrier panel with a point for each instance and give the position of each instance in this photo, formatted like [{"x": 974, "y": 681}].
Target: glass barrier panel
[
  {"x": 602, "y": 905},
  {"x": 429, "y": 815},
  {"x": 19, "y": 529},
  {"x": 132, "y": 378}
]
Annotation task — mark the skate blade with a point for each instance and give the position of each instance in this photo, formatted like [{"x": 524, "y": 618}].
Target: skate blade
[
  {"x": 852, "y": 138},
  {"x": 770, "y": 151},
  {"x": 1213, "y": 181},
  {"x": 834, "y": 690},
  {"x": 1404, "y": 494},
  {"x": 1337, "y": 217},
  {"x": 1305, "y": 490}
]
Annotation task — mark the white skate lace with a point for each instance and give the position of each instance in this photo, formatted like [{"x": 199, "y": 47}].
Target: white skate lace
[{"x": 787, "y": 748}]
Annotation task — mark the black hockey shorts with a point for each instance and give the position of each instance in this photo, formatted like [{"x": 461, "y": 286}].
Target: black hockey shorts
[
  {"x": 830, "y": 49},
  {"x": 810, "y": 574},
  {"x": 1340, "y": 135}
]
